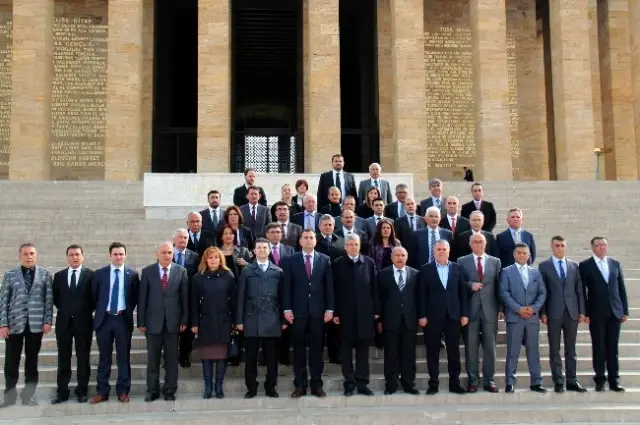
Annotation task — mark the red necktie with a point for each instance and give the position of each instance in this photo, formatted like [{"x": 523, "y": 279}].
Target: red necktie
[
  {"x": 276, "y": 255},
  {"x": 307, "y": 266},
  {"x": 480, "y": 270},
  {"x": 165, "y": 279},
  {"x": 453, "y": 225}
]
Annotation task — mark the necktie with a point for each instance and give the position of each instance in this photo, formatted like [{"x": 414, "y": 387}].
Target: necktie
[
  {"x": 196, "y": 241},
  {"x": 378, "y": 219},
  {"x": 403, "y": 212},
  {"x": 477, "y": 204},
  {"x": 113, "y": 305},
  {"x": 72, "y": 286},
  {"x": 563, "y": 276},
  {"x": 517, "y": 237},
  {"x": 180, "y": 259},
  {"x": 28, "y": 279},
  {"x": 453, "y": 225},
  {"x": 329, "y": 241},
  {"x": 253, "y": 213},
  {"x": 307, "y": 266},
  {"x": 412, "y": 223},
  {"x": 307, "y": 224},
  {"x": 339, "y": 185},
  {"x": 525, "y": 276},
  {"x": 276, "y": 255},
  {"x": 480, "y": 270},
  {"x": 400, "y": 280},
  {"x": 375, "y": 182},
  {"x": 284, "y": 231},
  {"x": 438, "y": 203},
  {"x": 165, "y": 279},
  {"x": 214, "y": 218},
  {"x": 432, "y": 244},
  {"x": 263, "y": 267}
]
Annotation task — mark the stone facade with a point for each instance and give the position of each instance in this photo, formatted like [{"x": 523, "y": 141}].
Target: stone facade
[{"x": 475, "y": 83}]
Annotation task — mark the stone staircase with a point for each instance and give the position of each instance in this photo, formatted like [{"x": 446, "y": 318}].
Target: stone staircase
[{"x": 56, "y": 214}]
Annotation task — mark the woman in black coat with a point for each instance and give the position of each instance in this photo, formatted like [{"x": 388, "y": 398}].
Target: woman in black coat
[{"x": 212, "y": 312}]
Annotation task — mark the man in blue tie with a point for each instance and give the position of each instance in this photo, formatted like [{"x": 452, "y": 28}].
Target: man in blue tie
[{"x": 115, "y": 291}]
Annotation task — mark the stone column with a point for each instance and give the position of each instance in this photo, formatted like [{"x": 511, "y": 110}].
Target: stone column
[
  {"x": 572, "y": 97},
  {"x": 634, "y": 29},
  {"x": 385, "y": 89},
  {"x": 491, "y": 89},
  {"x": 32, "y": 73},
  {"x": 408, "y": 93},
  {"x": 214, "y": 86},
  {"x": 147, "y": 84},
  {"x": 617, "y": 90},
  {"x": 321, "y": 46},
  {"x": 596, "y": 88},
  {"x": 123, "y": 144}
]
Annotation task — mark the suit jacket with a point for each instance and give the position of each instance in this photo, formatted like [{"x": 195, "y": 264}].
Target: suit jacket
[
  {"x": 396, "y": 305},
  {"x": 428, "y": 202},
  {"x": 308, "y": 299},
  {"x": 489, "y": 296},
  {"x": 391, "y": 210},
  {"x": 78, "y": 305},
  {"x": 17, "y": 306},
  {"x": 603, "y": 298},
  {"x": 366, "y": 184},
  {"x": 157, "y": 308},
  {"x": 259, "y": 307},
  {"x": 205, "y": 240},
  {"x": 506, "y": 245},
  {"x": 422, "y": 243},
  {"x": 561, "y": 296},
  {"x": 191, "y": 261},
  {"x": 101, "y": 286},
  {"x": 486, "y": 208},
  {"x": 360, "y": 224},
  {"x": 468, "y": 176},
  {"x": 300, "y": 217},
  {"x": 293, "y": 235},
  {"x": 326, "y": 181},
  {"x": 514, "y": 295},
  {"x": 335, "y": 250},
  {"x": 263, "y": 217},
  {"x": 405, "y": 234},
  {"x": 284, "y": 251},
  {"x": 357, "y": 296},
  {"x": 462, "y": 224},
  {"x": 207, "y": 224},
  {"x": 437, "y": 303},
  {"x": 240, "y": 196},
  {"x": 461, "y": 245}
]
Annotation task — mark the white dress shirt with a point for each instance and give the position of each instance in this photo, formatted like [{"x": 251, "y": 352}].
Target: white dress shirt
[
  {"x": 70, "y": 273},
  {"x": 435, "y": 201},
  {"x": 263, "y": 266},
  {"x": 342, "y": 182},
  {"x": 483, "y": 261},
  {"x": 346, "y": 231},
  {"x": 122, "y": 305},
  {"x": 217, "y": 210},
  {"x": 396, "y": 274},
  {"x": 478, "y": 204},
  {"x": 603, "y": 266},
  {"x": 162, "y": 271}
]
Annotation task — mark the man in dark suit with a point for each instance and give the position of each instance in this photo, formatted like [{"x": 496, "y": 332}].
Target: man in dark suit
[
  {"x": 308, "y": 304},
  {"x": 336, "y": 177},
  {"x": 115, "y": 294},
  {"x": 435, "y": 198},
  {"x": 357, "y": 299},
  {"x": 515, "y": 234},
  {"x": 443, "y": 308},
  {"x": 452, "y": 220},
  {"x": 606, "y": 309},
  {"x": 426, "y": 237},
  {"x": 290, "y": 231},
  {"x": 72, "y": 297},
  {"x": 26, "y": 314},
  {"x": 378, "y": 214},
  {"x": 399, "y": 322},
  {"x": 468, "y": 174},
  {"x": 374, "y": 180},
  {"x": 461, "y": 245},
  {"x": 212, "y": 217},
  {"x": 479, "y": 204},
  {"x": 240, "y": 193},
  {"x": 406, "y": 226},
  {"x": 349, "y": 203},
  {"x": 199, "y": 239},
  {"x": 328, "y": 243},
  {"x": 348, "y": 226},
  {"x": 256, "y": 216},
  {"x": 309, "y": 218},
  {"x": 163, "y": 310},
  {"x": 397, "y": 209},
  {"x": 562, "y": 311}
]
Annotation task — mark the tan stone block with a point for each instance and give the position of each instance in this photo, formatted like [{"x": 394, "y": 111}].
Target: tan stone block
[{"x": 634, "y": 30}]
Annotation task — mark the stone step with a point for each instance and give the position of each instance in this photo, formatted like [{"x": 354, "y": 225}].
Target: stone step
[{"x": 334, "y": 400}]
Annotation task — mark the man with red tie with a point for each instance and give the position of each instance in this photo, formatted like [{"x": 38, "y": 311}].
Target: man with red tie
[{"x": 454, "y": 221}]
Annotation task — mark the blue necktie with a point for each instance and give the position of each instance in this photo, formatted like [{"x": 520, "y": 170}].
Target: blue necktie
[
  {"x": 432, "y": 245},
  {"x": 180, "y": 258},
  {"x": 113, "y": 307},
  {"x": 563, "y": 276}
]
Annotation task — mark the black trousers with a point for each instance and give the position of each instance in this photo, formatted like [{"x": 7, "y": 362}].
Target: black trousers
[
  {"x": 65, "y": 341},
  {"x": 360, "y": 376},
  {"x": 311, "y": 330},
  {"x": 605, "y": 335},
  {"x": 400, "y": 357},
  {"x": 156, "y": 344},
  {"x": 284, "y": 347},
  {"x": 12, "y": 352},
  {"x": 270, "y": 350},
  {"x": 432, "y": 337},
  {"x": 186, "y": 344},
  {"x": 333, "y": 341}
]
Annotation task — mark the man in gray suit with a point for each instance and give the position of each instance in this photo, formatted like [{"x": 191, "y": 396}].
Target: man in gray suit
[
  {"x": 256, "y": 216},
  {"x": 482, "y": 273},
  {"x": 290, "y": 231},
  {"x": 435, "y": 199},
  {"x": 163, "y": 312},
  {"x": 378, "y": 214},
  {"x": 523, "y": 293},
  {"x": 26, "y": 313},
  {"x": 374, "y": 180},
  {"x": 562, "y": 312}
]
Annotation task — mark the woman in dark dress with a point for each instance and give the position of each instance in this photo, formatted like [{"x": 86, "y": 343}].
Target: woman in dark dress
[
  {"x": 382, "y": 243},
  {"x": 243, "y": 235},
  {"x": 212, "y": 311},
  {"x": 365, "y": 210}
]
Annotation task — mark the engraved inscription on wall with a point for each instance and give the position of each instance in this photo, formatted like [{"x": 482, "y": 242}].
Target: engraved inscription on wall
[
  {"x": 6, "y": 31},
  {"x": 79, "y": 97},
  {"x": 450, "y": 105},
  {"x": 514, "y": 122}
]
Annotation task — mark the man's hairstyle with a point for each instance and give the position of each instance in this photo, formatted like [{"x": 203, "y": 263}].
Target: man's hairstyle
[
  {"x": 443, "y": 242},
  {"x": 26, "y": 245},
  {"x": 401, "y": 186},
  {"x": 213, "y": 192},
  {"x": 115, "y": 245},
  {"x": 476, "y": 212},
  {"x": 272, "y": 225},
  {"x": 520, "y": 245},
  {"x": 433, "y": 210},
  {"x": 279, "y": 204},
  {"x": 256, "y": 188},
  {"x": 261, "y": 240},
  {"x": 180, "y": 232},
  {"x": 474, "y": 185},
  {"x": 352, "y": 237},
  {"x": 435, "y": 182},
  {"x": 74, "y": 246},
  {"x": 377, "y": 200},
  {"x": 327, "y": 217},
  {"x": 246, "y": 170},
  {"x": 336, "y": 155},
  {"x": 558, "y": 238},
  {"x": 514, "y": 209},
  {"x": 598, "y": 238},
  {"x": 353, "y": 198},
  {"x": 307, "y": 231}
]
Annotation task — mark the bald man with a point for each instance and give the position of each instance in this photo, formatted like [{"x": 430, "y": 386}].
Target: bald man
[{"x": 163, "y": 313}]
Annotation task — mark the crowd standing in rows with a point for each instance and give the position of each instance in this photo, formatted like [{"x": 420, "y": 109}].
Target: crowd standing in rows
[{"x": 347, "y": 268}]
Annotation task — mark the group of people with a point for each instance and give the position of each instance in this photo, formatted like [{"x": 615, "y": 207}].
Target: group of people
[{"x": 347, "y": 268}]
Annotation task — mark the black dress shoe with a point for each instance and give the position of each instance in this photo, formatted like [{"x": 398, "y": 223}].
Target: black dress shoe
[
  {"x": 185, "y": 363},
  {"x": 491, "y": 388},
  {"x": 299, "y": 392},
  {"x": 457, "y": 389},
  {"x": 576, "y": 387},
  {"x": 348, "y": 392},
  {"x": 319, "y": 392},
  {"x": 538, "y": 389},
  {"x": 617, "y": 388},
  {"x": 365, "y": 391},
  {"x": 599, "y": 388},
  {"x": 31, "y": 401},
  {"x": 272, "y": 393},
  {"x": 82, "y": 399},
  {"x": 472, "y": 389},
  {"x": 169, "y": 397},
  {"x": 388, "y": 392},
  {"x": 509, "y": 389},
  {"x": 7, "y": 403},
  {"x": 412, "y": 391},
  {"x": 219, "y": 394},
  {"x": 59, "y": 400},
  {"x": 559, "y": 388},
  {"x": 151, "y": 397},
  {"x": 251, "y": 394},
  {"x": 432, "y": 390}
]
